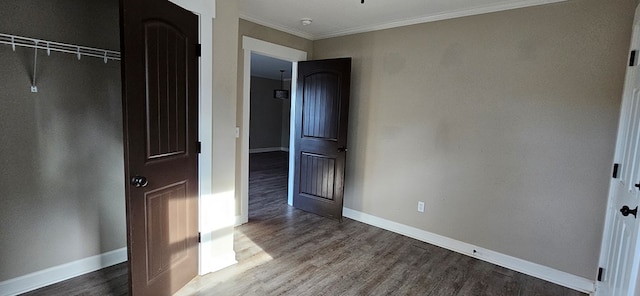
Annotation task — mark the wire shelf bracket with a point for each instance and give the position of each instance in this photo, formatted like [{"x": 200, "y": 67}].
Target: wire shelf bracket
[{"x": 50, "y": 46}]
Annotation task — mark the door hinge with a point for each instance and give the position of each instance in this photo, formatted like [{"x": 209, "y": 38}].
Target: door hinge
[
  {"x": 198, "y": 50},
  {"x": 600, "y": 273},
  {"x": 616, "y": 167},
  {"x": 199, "y": 147},
  {"x": 199, "y": 237},
  {"x": 633, "y": 58}
]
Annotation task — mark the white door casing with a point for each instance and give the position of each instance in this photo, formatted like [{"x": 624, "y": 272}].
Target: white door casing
[
  {"x": 276, "y": 51},
  {"x": 619, "y": 255},
  {"x": 216, "y": 252}
]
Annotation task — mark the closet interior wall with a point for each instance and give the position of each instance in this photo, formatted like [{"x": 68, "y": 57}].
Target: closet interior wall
[{"x": 61, "y": 152}]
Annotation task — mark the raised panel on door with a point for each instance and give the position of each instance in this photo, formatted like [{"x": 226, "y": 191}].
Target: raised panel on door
[
  {"x": 630, "y": 131},
  {"x": 321, "y": 106},
  {"x": 166, "y": 215},
  {"x": 318, "y": 177},
  {"x": 166, "y": 63},
  {"x": 623, "y": 229}
]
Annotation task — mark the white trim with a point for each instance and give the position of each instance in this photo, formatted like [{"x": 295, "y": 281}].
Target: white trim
[
  {"x": 439, "y": 17},
  {"x": 277, "y": 27},
  {"x": 412, "y": 21},
  {"x": 200, "y": 7},
  {"x": 239, "y": 220},
  {"x": 276, "y": 51},
  {"x": 268, "y": 149},
  {"x": 272, "y": 50},
  {"x": 292, "y": 129},
  {"x": 206, "y": 12},
  {"x": 533, "y": 269},
  {"x": 223, "y": 261},
  {"x": 62, "y": 272}
]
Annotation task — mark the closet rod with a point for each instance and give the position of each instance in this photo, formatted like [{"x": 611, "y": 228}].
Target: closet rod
[{"x": 50, "y": 46}]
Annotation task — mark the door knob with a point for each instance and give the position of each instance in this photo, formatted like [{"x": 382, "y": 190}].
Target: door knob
[
  {"x": 139, "y": 181},
  {"x": 626, "y": 211},
  {"x": 637, "y": 186},
  {"x": 342, "y": 149}
]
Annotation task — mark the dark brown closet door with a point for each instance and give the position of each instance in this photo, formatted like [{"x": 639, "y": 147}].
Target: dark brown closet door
[{"x": 160, "y": 105}]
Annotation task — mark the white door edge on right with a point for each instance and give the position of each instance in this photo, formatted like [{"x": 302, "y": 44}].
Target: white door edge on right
[{"x": 619, "y": 256}]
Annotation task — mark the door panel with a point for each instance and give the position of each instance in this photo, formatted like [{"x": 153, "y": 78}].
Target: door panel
[
  {"x": 619, "y": 266},
  {"x": 165, "y": 55},
  {"x": 322, "y": 109},
  {"x": 318, "y": 177},
  {"x": 166, "y": 214},
  {"x": 620, "y": 257},
  {"x": 160, "y": 107}
]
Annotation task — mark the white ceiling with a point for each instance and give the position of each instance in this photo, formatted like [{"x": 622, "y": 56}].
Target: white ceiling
[
  {"x": 331, "y": 18},
  {"x": 268, "y": 67},
  {"x": 343, "y": 17}
]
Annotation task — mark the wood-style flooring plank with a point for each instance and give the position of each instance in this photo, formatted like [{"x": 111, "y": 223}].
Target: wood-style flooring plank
[
  {"x": 303, "y": 254},
  {"x": 285, "y": 251},
  {"x": 112, "y": 280}
]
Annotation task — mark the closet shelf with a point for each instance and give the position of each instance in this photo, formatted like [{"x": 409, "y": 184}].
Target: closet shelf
[{"x": 50, "y": 46}]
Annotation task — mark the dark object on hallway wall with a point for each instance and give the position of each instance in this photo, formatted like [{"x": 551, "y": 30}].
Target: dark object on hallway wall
[{"x": 281, "y": 93}]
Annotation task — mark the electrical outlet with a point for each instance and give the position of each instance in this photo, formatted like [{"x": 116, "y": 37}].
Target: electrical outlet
[{"x": 421, "y": 206}]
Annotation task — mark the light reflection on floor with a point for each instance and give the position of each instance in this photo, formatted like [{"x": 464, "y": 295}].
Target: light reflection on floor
[{"x": 255, "y": 255}]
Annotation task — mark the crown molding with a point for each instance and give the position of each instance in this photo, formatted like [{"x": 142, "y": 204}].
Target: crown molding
[
  {"x": 418, "y": 20},
  {"x": 277, "y": 27},
  {"x": 439, "y": 17}
]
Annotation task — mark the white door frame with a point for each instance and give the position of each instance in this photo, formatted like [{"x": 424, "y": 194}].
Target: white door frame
[
  {"x": 250, "y": 45},
  {"x": 607, "y": 236},
  {"x": 206, "y": 11}
]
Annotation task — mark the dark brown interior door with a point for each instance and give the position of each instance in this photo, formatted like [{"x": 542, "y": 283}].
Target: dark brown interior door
[
  {"x": 322, "y": 109},
  {"x": 160, "y": 109}
]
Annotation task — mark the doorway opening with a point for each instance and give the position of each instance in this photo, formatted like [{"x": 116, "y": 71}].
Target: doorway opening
[
  {"x": 269, "y": 130},
  {"x": 293, "y": 56}
]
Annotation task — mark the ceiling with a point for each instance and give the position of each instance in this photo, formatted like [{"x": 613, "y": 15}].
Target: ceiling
[
  {"x": 268, "y": 67},
  {"x": 331, "y": 18}
]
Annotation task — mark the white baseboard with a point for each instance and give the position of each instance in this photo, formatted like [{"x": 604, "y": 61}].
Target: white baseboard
[
  {"x": 224, "y": 261},
  {"x": 241, "y": 220},
  {"x": 62, "y": 272},
  {"x": 268, "y": 149},
  {"x": 69, "y": 270},
  {"x": 533, "y": 269}
]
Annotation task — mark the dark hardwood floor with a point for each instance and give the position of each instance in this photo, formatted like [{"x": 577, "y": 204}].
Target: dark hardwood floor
[
  {"x": 111, "y": 281},
  {"x": 285, "y": 251}
]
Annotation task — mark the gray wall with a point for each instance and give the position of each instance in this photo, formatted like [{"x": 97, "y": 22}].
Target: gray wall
[
  {"x": 61, "y": 152},
  {"x": 269, "y": 121},
  {"x": 503, "y": 123}
]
